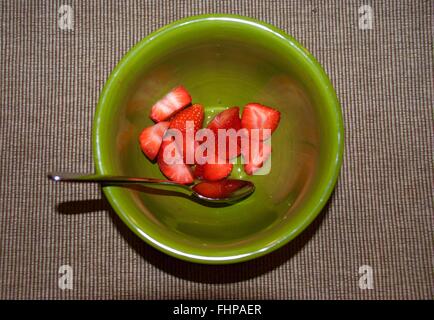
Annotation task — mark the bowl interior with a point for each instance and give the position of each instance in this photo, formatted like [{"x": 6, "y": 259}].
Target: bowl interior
[{"x": 223, "y": 62}]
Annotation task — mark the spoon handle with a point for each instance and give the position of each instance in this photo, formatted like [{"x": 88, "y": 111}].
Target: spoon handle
[{"x": 92, "y": 178}]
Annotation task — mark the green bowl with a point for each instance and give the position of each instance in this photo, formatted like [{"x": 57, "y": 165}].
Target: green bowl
[{"x": 224, "y": 61}]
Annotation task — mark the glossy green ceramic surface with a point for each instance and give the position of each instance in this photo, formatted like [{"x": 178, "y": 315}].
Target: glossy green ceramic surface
[{"x": 224, "y": 61}]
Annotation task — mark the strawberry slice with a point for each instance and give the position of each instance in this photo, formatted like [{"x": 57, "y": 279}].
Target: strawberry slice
[
  {"x": 255, "y": 159},
  {"x": 175, "y": 171},
  {"x": 213, "y": 171},
  {"x": 257, "y": 116},
  {"x": 227, "y": 119},
  {"x": 198, "y": 171},
  {"x": 218, "y": 189},
  {"x": 195, "y": 113},
  {"x": 216, "y": 171},
  {"x": 177, "y": 99},
  {"x": 151, "y": 137}
]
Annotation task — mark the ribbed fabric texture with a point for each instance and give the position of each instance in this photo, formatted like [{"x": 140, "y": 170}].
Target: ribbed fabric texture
[{"x": 381, "y": 213}]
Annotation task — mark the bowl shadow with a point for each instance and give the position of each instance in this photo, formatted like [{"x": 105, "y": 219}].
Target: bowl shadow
[{"x": 211, "y": 274}]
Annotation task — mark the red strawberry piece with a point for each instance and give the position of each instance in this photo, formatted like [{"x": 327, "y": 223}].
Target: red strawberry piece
[
  {"x": 177, "y": 99},
  {"x": 198, "y": 171},
  {"x": 192, "y": 150},
  {"x": 216, "y": 171},
  {"x": 218, "y": 189},
  {"x": 227, "y": 119},
  {"x": 230, "y": 185},
  {"x": 255, "y": 157},
  {"x": 210, "y": 189},
  {"x": 211, "y": 169},
  {"x": 151, "y": 137},
  {"x": 257, "y": 116},
  {"x": 175, "y": 171},
  {"x": 195, "y": 113}
]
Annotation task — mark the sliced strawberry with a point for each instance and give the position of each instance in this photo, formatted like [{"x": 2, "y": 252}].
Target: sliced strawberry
[
  {"x": 175, "y": 171},
  {"x": 257, "y": 116},
  {"x": 151, "y": 137},
  {"x": 195, "y": 113},
  {"x": 216, "y": 171},
  {"x": 192, "y": 150},
  {"x": 212, "y": 170},
  {"x": 227, "y": 119},
  {"x": 198, "y": 171},
  {"x": 218, "y": 189},
  {"x": 172, "y": 102},
  {"x": 255, "y": 157}
]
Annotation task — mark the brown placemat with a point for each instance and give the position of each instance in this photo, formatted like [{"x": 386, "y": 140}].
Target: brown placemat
[{"x": 381, "y": 213}]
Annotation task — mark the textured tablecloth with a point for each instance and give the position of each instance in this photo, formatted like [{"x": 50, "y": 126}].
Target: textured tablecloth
[{"x": 380, "y": 215}]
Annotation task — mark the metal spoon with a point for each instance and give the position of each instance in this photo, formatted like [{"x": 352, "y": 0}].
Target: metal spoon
[{"x": 223, "y": 191}]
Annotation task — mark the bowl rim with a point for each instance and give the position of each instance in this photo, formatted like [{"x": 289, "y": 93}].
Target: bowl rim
[{"x": 334, "y": 107}]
